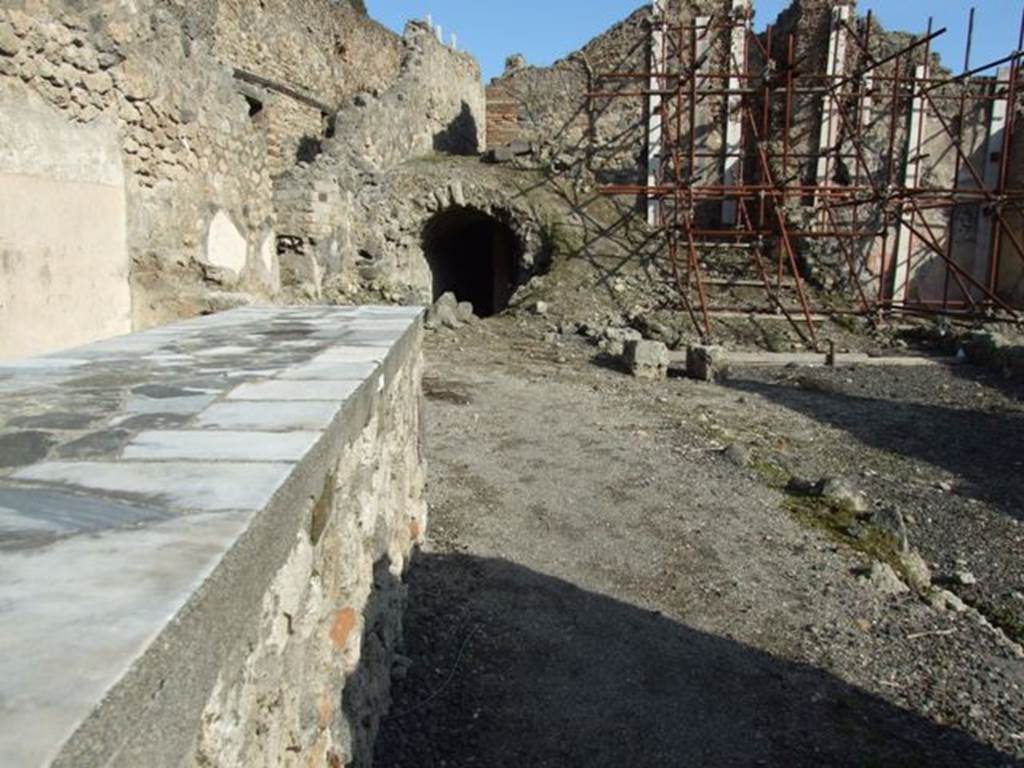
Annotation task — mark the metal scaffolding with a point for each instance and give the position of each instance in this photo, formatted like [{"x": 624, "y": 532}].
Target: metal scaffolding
[{"x": 860, "y": 185}]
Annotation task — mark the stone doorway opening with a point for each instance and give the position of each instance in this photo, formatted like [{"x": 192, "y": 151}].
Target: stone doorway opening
[{"x": 473, "y": 255}]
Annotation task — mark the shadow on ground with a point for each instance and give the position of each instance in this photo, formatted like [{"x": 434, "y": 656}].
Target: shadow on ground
[
  {"x": 514, "y": 668},
  {"x": 982, "y": 447}
]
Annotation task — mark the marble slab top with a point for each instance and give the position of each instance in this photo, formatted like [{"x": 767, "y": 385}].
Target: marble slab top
[{"x": 128, "y": 468}]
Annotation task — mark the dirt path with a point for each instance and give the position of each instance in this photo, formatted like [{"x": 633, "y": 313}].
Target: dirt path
[{"x": 604, "y": 588}]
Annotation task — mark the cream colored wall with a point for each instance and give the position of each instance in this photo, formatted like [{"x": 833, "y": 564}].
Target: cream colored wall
[{"x": 63, "y": 250}]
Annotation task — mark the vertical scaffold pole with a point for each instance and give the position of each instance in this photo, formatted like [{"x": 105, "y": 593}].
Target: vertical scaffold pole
[
  {"x": 739, "y": 34},
  {"x": 654, "y": 111}
]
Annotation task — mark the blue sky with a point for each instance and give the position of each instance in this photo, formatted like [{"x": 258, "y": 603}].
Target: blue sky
[{"x": 546, "y": 30}]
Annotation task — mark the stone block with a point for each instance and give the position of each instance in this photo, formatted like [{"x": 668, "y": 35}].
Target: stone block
[
  {"x": 614, "y": 341},
  {"x": 447, "y": 299},
  {"x": 9, "y": 42},
  {"x": 646, "y": 359},
  {"x": 503, "y": 154},
  {"x": 520, "y": 147},
  {"x": 444, "y": 316},
  {"x": 705, "y": 363}
]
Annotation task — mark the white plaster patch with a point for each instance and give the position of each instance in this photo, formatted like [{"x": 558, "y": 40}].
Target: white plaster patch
[
  {"x": 225, "y": 246},
  {"x": 63, "y": 232},
  {"x": 268, "y": 252}
]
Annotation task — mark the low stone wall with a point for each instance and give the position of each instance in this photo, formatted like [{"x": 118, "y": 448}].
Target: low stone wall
[{"x": 203, "y": 538}]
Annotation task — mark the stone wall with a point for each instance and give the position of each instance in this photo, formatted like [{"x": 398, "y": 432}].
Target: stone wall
[
  {"x": 547, "y": 106},
  {"x": 393, "y": 218},
  {"x": 436, "y": 108},
  {"x": 603, "y": 140},
  {"x": 927, "y": 278},
  {"x": 377, "y": 250},
  {"x": 323, "y": 50},
  {"x": 314, "y": 679},
  {"x": 207, "y": 102},
  {"x": 1010, "y": 279},
  {"x": 502, "y": 115},
  {"x": 436, "y": 105},
  {"x": 189, "y": 149},
  {"x": 218, "y": 578},
  {"x": 552, "y": 112}
]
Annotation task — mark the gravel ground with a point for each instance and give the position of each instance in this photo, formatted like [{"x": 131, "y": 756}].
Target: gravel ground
[
  {"x": 944, "y": 446},
  {"x": 604, "y": 586}
]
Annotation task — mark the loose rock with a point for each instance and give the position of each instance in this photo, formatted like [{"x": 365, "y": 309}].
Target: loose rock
[
  {"x": 646, "y": 359},
  {"x": 447, "y": 299},
  {"x": 966, "y": 578},
  {"x": 884, "y": 579},
  {"x": 614, "y": 340},
  {"x": 842, "y": 493},
  {"x": 918, "y": 573},
  {"x": 738, "y": 455},
  {"x": 444, "y": 316},
  {"x": 892, "y": 522},
  {"x": 465, "y": 313},
  {"x": 944, "y": 600},
  {"x": 9, "y": 42},
  {"x": 705, "y": 363}
]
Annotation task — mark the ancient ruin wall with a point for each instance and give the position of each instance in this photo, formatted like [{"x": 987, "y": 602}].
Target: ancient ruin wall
[
  {"x": 308, "y": 59},
  {"x": 197, "y": 183},
  {"x": 927, "y": 277},
  {"x": 436, "y": 106},
  {"x": 547, "y": 106},
  {"x": 207, "y": 101},
  {"x": 551, "y": 110},
  {"x": 392, "y": 220}
]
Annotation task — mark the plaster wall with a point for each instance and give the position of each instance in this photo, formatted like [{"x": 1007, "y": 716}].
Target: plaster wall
[{"x": 63, "y": 251}]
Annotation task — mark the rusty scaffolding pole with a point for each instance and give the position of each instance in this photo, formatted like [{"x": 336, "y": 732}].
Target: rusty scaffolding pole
[{"x": 864, "y": 193}]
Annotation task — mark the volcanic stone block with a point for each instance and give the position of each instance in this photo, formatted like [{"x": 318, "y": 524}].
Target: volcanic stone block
[{"x": 646, "y": 359}]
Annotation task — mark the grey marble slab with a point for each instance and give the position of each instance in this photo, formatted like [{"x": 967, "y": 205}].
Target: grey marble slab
[
  {"x": 335, "y": 391},
  {"x": 130, "y": 468},
  {"x": 270, "y": 416},
  {"x": 77, "y": 615},
  {"x": 329, "y": 370},
  {"x": 200, "y": 445},
  {"x": 181, "y": 485}
]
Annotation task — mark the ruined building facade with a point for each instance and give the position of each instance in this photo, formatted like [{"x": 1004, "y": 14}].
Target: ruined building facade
[
  {"x": 898, "y": 184},
  {"x": 225, "y": 152},
  {"x": 172, "y": 140}
]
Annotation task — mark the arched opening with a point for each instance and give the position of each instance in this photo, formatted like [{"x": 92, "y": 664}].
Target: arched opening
[{"x": 474, "y": 256}]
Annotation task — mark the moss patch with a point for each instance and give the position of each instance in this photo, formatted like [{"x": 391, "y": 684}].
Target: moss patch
[
  {"x": 840, "y": 522},
  {"x": 1006, "y": 617}
]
